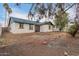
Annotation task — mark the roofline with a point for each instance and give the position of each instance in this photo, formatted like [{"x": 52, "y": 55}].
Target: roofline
[{"x": 36, "y": 23}]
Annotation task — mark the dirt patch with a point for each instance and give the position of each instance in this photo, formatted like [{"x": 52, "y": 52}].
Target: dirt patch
[{"x": 51, "y": 43}]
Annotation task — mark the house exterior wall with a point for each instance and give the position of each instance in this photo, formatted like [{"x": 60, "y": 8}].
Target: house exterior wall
[
  {"x": 45, "y": 28},
  {"x": 14, "y": 28},
  {"x": 56, "y": 29}
]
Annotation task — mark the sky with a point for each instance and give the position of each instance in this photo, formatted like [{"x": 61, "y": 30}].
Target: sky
[{"x": 22, "y": 11}]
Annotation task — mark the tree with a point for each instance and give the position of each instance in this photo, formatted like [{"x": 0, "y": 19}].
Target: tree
[
  {"x": 40, "y": 8},
  {"x": 5, "y": 5},
  {"x": 8, "y": 11},
  {"x": 61, "y": 20},
  {"x": 49, "y": 8}
]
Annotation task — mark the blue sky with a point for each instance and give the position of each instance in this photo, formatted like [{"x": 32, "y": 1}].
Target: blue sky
[{"x": 23, "y": 9}]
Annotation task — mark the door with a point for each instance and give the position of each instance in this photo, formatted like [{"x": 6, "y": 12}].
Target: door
[{"x": 37, "y": 28}]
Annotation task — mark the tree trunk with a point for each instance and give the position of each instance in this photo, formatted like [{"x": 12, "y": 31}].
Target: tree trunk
[
  {"x": 5, "y": 17},
  {"x": 47, "y": 15}
]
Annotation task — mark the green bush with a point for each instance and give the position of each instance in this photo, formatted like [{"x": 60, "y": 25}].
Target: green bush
[{"x": 73, "y": 30}]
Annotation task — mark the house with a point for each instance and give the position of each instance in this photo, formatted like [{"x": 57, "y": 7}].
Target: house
[{"x": 17, "y": 25}]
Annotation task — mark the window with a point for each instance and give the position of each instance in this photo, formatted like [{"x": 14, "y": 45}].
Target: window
[
  {"x": 53, "y": 26},
  {"x": 21, "y": 26},
  {"x": 30, "y": 27},
  {"x": 49, "y": 27}
]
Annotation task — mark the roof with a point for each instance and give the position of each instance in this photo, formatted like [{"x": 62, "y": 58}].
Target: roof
[{"x": 23, "y": 21}]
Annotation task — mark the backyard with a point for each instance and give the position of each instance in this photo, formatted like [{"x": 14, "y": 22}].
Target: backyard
[{"x": 40, "y": 44}]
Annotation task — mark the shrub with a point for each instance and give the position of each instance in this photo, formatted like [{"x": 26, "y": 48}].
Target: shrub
[{"x": 73, "y": 30}]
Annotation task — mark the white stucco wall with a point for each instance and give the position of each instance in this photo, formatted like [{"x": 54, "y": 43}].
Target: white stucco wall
[
  {"x": 45, "y": 28},
  {"x": 15, "y": 28}
]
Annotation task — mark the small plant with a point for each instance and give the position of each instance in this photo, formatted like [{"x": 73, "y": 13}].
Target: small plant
[
  {"x": 73, "y": 29},
  {"x": 1, "y": 41}
]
